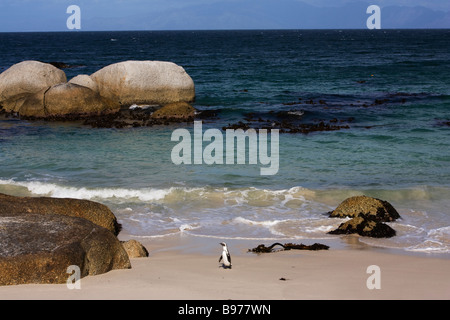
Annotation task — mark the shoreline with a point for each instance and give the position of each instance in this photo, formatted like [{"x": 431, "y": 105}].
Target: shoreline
[
  {"x": 187, "y": 268},
  {"x": 209, "y": 245}
]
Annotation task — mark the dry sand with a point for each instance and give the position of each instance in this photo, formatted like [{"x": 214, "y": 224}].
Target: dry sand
[{"x": 187, "y": 268}]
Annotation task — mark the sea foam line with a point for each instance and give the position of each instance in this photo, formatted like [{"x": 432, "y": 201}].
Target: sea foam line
[
  {"x": 152, "y": 194},
  {"x": 57, "y": 191}
]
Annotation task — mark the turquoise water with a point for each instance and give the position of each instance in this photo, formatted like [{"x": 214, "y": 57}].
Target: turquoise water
[{"x": 395, "y": 84}]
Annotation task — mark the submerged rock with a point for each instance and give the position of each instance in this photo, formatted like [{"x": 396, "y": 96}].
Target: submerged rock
[
  {"x": 37, "y": 248},
  {"x": 63, "y": 65}
]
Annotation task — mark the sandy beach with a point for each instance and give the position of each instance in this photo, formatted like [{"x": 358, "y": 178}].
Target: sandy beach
[{"x": 186, "y": 268}]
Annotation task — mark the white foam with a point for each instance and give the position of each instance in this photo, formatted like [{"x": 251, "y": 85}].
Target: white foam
[
  {"x": 188, "y": 227},
  {"x": 320, "y": 229},
  {"x": 239, "y": 213},
  {"x": 57, "y": 191},
  {"x": 444, "y": 231},
  {"x": 239, "y": 196},
  {"x": 135, "y": 106},
  {"x": 296, "y": 113},
  {"x": 268, "y": 223},
  {"x": 429, "y": 246}
]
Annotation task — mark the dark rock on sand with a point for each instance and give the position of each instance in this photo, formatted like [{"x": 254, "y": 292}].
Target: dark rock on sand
[
  {"x": 134, "y": 249},
  {"x": 365, "y": 227},
  {"x": 97, "y": 213},
  {"x": 37, "y": 248},
  {"x": 366, "y": 207}
]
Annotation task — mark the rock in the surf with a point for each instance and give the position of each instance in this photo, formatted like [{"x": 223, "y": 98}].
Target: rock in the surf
[
  {"x": 145, "y": 83},
  {"x": 25, "y": 78},
  {"x": 178, "y": 111},
  {"x": 365, "y": 227},
  {"x": 366, "y": 207}
]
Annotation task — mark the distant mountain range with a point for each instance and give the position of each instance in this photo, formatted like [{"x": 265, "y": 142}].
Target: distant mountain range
[
  {"x": 219, "y": 14},
  {"x": 269, "y": 14}
]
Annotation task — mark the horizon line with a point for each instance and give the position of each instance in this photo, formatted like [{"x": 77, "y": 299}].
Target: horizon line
[{"x": 237, "y": 29}]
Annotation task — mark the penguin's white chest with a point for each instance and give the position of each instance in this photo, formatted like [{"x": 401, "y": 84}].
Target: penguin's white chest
[{"x": 225, "y": 258}]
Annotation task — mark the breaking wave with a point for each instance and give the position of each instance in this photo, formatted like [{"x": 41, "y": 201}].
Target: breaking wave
[{"x": 254, "y": 213}]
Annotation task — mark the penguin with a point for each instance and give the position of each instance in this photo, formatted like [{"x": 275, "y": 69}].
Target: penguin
[{"x": 225, "y": 256}]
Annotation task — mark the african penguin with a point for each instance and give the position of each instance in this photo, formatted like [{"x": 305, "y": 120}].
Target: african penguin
[{"x": 225, "y": 256}]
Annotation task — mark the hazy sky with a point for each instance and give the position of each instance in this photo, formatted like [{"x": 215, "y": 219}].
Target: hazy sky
[{"x": 50, "y": 15}]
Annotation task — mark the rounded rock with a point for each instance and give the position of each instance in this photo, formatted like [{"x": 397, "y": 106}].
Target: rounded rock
[
  {"x": 38, "y": 248},
  {"x": 25, "y": 78},
  {"x": 145, "y": 82},
  {"x": 367, "y": 207}
]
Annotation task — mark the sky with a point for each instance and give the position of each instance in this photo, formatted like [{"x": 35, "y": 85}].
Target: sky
[{"x": 110, "y": 15}]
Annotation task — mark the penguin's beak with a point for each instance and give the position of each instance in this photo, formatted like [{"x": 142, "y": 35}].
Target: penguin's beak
[{"x": 222, "y": 244}]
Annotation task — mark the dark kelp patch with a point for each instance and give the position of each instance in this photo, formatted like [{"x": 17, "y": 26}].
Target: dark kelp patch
[{"x": 288, "y": 246}]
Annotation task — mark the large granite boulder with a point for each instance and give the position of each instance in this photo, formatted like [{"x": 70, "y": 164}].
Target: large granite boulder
[
  {"x": 67, "y": 99},
  {"x": 73, "y": 99},
  {"x": 365, "y": 228},
  {"x": 97, "y": 213},
  {"x": 25, "y": 78},
  {"x": 33, "y": 105},
  {"x": 85, "y": 81},
  {"x": 34, "y": 89},
  {"x": 367, "y": 207},
  {"x": 145, "y": 83},
  {"x": 36, "y": 248}
]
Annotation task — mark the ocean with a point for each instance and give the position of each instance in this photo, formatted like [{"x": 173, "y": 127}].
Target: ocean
[{"x": 391, "y": 89}]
